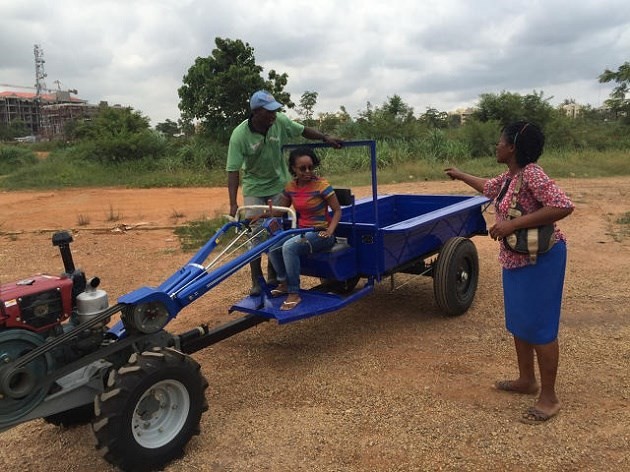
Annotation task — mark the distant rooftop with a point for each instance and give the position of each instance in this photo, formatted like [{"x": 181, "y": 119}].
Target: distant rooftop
[{"x": 49, "y": 97}]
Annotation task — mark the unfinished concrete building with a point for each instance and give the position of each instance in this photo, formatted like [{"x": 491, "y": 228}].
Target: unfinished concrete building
[
  {"x": 46, "y": 115},
  {"x": 22, "y": 107}
]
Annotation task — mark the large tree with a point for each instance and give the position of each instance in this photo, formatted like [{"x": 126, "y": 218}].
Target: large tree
[
  {"x": 393, "y": 120},
  {"x": 618, "y": 102},
  {"x": 112, "y": 122},
  {"x": 307, "y": 106},
  {"x": 168, "y": 128},
  {"x": 508, "y": 107},
  {"x": 216, "y": 89},
  {"x": 434, "y": 118}
]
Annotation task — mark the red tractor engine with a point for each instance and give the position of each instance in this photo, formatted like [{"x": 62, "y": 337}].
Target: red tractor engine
[
  {"x": 37, "y": 304},
  {"x": 42, "y": 303}
]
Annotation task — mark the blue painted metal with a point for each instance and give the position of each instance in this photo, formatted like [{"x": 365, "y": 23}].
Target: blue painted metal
[
  {"x": 194, "y": 279},
  {"x": 313, "y": 303},
  {"x": 383, "y": 233},
  {"x": 411, "y": 226}
]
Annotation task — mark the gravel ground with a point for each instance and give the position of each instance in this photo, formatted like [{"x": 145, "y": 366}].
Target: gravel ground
[{"x": 387, "y": 384}]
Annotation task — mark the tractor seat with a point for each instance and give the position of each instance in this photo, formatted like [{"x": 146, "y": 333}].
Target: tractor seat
[{"x": 344, "y": 195}]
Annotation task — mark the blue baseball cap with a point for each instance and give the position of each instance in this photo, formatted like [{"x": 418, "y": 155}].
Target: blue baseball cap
[{"x": 263, "y": 99}]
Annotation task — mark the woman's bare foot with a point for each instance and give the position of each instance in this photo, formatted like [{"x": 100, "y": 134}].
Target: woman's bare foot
[{"x": 516, "y": 386}]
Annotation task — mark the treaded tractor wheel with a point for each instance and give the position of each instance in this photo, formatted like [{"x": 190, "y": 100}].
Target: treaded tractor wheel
[
  {"x": 455, "y": 276},
  {"x": 150, "y": 409}
]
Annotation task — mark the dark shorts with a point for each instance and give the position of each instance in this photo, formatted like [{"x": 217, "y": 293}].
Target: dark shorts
[{"x": 532, "y": 296}]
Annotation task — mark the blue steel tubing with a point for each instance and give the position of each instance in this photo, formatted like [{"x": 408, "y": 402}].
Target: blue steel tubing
[
  {"x": 194, "y": 267},
  {"x": 200, "y": 258},
  {"x": 208, "y": 280},
  {"x": 374, "y": 182},
  {"x": 371, "y": 144},
  {"x": 193, "y": 280}
]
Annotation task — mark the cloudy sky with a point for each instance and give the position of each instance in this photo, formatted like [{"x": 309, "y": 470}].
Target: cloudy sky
[{"x": 433, "y": 53}]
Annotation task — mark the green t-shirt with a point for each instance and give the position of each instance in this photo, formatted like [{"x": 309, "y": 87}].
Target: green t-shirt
[{"x": 259, "y": 157}]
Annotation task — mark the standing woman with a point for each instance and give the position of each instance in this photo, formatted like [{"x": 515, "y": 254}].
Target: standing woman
[
  {"x": 310, "y": 196},
  {"x": 532, "y": 290}
]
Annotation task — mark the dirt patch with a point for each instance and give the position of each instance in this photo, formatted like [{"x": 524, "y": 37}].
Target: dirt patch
[{"x": 386, "y": 384}]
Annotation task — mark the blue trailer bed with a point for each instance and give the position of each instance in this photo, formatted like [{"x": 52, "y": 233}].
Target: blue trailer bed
[
  {"x": 381, "y": 235},
  {"x": 403, "y": 229}
]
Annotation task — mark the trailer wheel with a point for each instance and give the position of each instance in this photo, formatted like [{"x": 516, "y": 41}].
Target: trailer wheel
[
  {"x": 150, "y": 409},
  {"x": 455, "y": 276}
]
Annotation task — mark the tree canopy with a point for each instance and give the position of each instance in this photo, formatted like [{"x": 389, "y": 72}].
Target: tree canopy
[
  {"x": 112, "y": 122},
  {"x": 392, "y": 120},
  {"x": 508, "y": 107},
  {"x": 168, "y": 128},
  {"x": 618, "y": 102},
  {"x": 307, "y": 105},
  {"x": 216, "y": 89}
]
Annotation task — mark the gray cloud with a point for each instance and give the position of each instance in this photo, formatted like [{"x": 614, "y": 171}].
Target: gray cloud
[{"x": 438, "y": 53}]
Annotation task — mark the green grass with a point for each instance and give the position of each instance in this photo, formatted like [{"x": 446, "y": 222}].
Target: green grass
[
  {"x": 346, "y": 168},
  {"x": 196, "y": 233},
  {"x": 582, "y": 164},
  {"x": 620, "y": 227},
  {"x": 60, "y": 171}
]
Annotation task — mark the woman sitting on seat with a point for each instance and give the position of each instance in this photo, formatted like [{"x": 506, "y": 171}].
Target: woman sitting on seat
[{"x": 310, "y": 196}]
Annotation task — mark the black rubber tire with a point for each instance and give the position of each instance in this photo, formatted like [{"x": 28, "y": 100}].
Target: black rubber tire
[
  {"x": 455, "y": 276},
  {"x": 76, "y": 416},
  {"x": 150, "y": 409}
]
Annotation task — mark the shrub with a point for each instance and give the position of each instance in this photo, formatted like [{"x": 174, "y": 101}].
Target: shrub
[
  {"x": 480, "y": 137},
  {"x": 13, "y": 158}
]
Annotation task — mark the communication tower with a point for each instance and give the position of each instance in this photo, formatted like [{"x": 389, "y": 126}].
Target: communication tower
[{"x": 40, "y": 75}]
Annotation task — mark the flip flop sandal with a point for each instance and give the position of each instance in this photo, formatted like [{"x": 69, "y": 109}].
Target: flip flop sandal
[
  {"x": 289, "y": 305},
  {"x": 535, "y": 416},
  {"x": 278, "y": 293},
  {"x": 508, "y": 386}
]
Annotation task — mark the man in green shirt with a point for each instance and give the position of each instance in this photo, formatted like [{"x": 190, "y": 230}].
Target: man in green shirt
[{"x": 255, "y": 150}]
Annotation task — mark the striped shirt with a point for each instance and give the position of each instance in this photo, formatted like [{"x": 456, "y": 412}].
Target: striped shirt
[{"x": 310, "y": 202}]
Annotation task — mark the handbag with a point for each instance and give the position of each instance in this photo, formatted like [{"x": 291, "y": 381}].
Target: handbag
[{"x": 531, "y": 241}]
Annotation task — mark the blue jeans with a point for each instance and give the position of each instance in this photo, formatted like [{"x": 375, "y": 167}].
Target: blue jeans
[{"x": 285, "y": 256}]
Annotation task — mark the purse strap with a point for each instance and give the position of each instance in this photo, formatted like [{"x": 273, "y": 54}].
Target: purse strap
[{"x": 513, "y": 211}]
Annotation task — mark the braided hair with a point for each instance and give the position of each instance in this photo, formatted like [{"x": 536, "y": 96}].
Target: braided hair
[{"x": 528, "y": 141}]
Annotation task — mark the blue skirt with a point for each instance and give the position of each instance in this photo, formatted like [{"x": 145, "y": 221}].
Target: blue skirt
[{"x": 532, "y": 296}]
